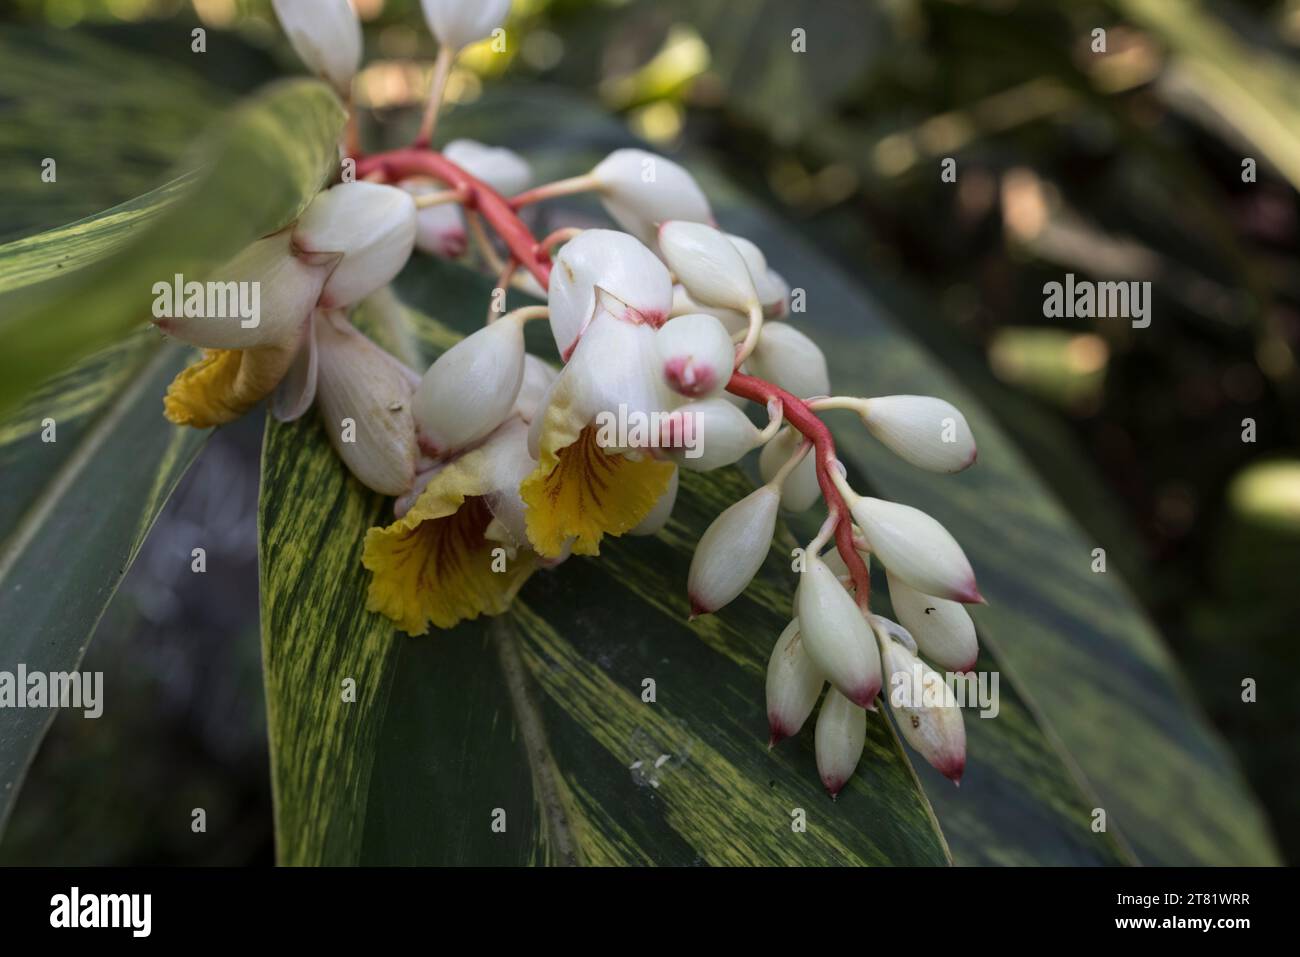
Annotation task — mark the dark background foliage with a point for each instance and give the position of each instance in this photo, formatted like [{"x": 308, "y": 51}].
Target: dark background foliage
[{"x": 1108, "y": 166}]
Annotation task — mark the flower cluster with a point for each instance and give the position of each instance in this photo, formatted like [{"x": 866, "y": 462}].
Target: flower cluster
[{"x": 500, "y": 464}]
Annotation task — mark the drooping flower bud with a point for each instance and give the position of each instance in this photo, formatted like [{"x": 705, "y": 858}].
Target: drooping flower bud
[
  {"x": 640, "y": 190},
  {"x": 928, "y": 432},
  {"x": 372, "y": 225},
  {"x": 793, "y": 685},
  {"x": 731, "y": 551},
  {"x": 841, "y": 733},
  {"x": 706, "y": 435},
  {"x": 915, "y": 548},
  {"x": 697, "y": 353},
  {"x": 471, "y": 388},
  {"x": 458, "y": 23},
  {"x": 942, "y": 629},
  {"x": 326, "y": 35},
  {"x": 364, "y": 396},
  {"x": 658, "y": 516},
  {"x": 925, "y": 710},
  {"x": 439, "y": 230},
  {"x": 628, "y": 279},
  {"x": 800, "y": 489},
  {"x": 789, "y": 359},
  {"x": 836, "y": 635},
  {"x": 684, "y": 305},
  {"x": 771, "y": 288},
  {"x": 504, "y": 170},
  {"x": 283, "y": 287},
  {"x": 708, "y": 265}
]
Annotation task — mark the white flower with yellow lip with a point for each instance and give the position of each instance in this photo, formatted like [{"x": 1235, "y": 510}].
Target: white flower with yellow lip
[
  {"x": 459, "y": 548},
  {"x": 581, "y": 491}
]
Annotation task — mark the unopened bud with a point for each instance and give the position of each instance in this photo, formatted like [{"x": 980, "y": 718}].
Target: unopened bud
[
  {"x": 926, "y": 711},
  {"x": 706, "y": 435},
  {"x": 372, "y": 225},
  {"x": 471, "y": 387},
  {"x": 841, "y": 733},
  {"x": 942, "y": 629},
  {"x": 710, "y": 267},
  {"x": 800, "y": 489},
  {"x": 928, "y": 432},
  {"x": 793, "y": 685},
  {"x": 697, "y": 354},
  {"x": 731, "y": 551},
  {"x": 836, "y": 635},
  {"x": 789, "y": 359},
  {"x": 640, "y": 190},
  {"x": 771, "y": 288},
  {"x": 326, "y": 35},
  {"x": 458, "y": 23}
]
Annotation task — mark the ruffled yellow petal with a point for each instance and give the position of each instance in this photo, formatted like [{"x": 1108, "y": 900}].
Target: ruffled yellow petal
[
  {"x": 433, "y": 565},
  {"x": 225, "y": 384},
  {"x": 579, "y": 492}
]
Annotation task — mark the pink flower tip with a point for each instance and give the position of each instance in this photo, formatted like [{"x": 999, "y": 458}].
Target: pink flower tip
[
  {"x": 834, "y": 786},
  {"x": 698, "y": 608},
  {"x": 865, "y": 697}
]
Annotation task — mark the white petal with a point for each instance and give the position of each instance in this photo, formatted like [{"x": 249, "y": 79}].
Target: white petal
[
  {"x": 925, "y": 711},
  {"x": 708, "y": 434},
  {"x": 616, "y": 263},
  {"x": 297, "y": 390},
  {"x": 641, "y": 190},
  {"x": 358, "y": 381},
  {"x": 793, "y": 685},
  {"x": 326, "y": 35},
  {"x": 787, "y": 358},
  {"x": 372, "y": 225},
  {"x": 504, "y": 170},
  {"x": 439, "y": 230},
  {"x": 508, "y": 463},
  {"x": 538, "y": 376},
  {"x": 710, "y": 267},
  {"x": 658, "y": 516},
  {"x": 283, "y": 287},
  {"x": 841, "y": 733},
  {"x": 800, "y": 490},
  {"x": 471, "y": 388},
  {"x": 942, "y": 629},
  {"x": 684, "y": 305},
  {"x": 731, "y": 551},
  {"x": 928, "y": 432},
  {"x": 836, "y": 635},
  {"x": 916, "y": 549},
  {"x": 614, "y": 373},
  {"x": 458, "y": 23},
  {"x": 771, "y": 288}
]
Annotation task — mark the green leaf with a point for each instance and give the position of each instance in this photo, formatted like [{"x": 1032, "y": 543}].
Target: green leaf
[
  {"x": 88, "y": 462},
  {"x": 72, "y": 290}
]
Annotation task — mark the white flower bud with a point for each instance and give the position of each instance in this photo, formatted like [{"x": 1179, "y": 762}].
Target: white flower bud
[
  {"x": 326, "y": 35},
  {"x": 787, "y": 358},
  {"x": 706, "y": 435},
  {"x": 731, "y": 551},
  {"x": 658, "y": 516},
  {"x": 836, "y": 635},
  {"x": 800, "y": 490},
  {"x": 771, "y": 288},
  {"x": 538, "y": 377},
  {"x": 698, "y": 355},
  {"x": 710, "y": 267},
  {"x": 640, "y": 190},
  {"x": 684, "y": 305},
  {"x": 774, "y": 293},
  {"x": 364, "y": 396},
  {"x": 458, "y": 23},
  {"x": 926, "y": 711},
  {"x": 372, "y": 225},
  {"x": 286, "y": 289},
  {"x": 928, "y": 432},
  {"x": 630, "y": 280},
  {"x": 942, "y": 629},
  {"x": 471, "y": 388},
  {"x": 915, "y": 548},
  {"x": 504, "y": 170},
  {"x": 793, "y": 685},
  {"x": 439, "y": 230},
  {"x": 841, "y": 733}
]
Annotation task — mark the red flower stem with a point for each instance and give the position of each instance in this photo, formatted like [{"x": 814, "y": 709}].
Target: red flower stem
[
  {"x": 807, "y": 422},
  {"x": 532, "y": 255},
  {"x": 400, "y": 164}
]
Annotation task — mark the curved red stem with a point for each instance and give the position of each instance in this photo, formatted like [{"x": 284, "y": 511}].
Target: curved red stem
[{"x": 529, "y": 253}]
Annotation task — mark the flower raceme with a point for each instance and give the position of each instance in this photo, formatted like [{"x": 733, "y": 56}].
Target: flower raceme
[{"x": 500, "y": 464}]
